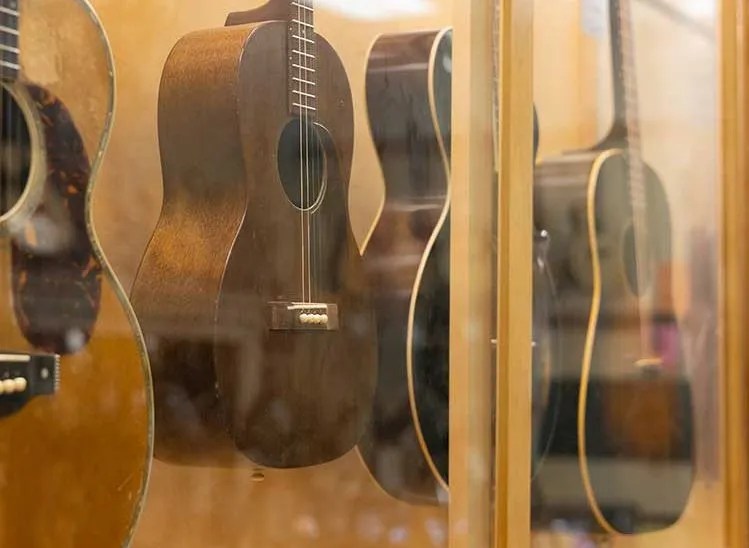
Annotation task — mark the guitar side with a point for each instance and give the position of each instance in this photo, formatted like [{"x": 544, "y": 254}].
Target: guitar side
[
  {"x": 407, "y": 258},
  {"x": 178, "y": 284}
]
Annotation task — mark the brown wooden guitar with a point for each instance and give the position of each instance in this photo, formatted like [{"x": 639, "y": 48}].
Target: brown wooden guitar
[
  {"x": 251, "y": 292},
  {"x": 75, "y": 400}
]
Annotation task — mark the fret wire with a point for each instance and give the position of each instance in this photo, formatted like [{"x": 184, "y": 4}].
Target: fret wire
[
  {"x": 297, "y": 66},
  {"x": 306, "y": 107},
  {"x": 9, "y": 30},
  {"x": 302, "y": 6},
  {"x": 302, "y": 38},
  {"x": 303, "y": 81},
  {"x": 297, "y": 21},
  {"x": 9, "y": 49},
  {"x": 302, "y": 93},
  {"x": 9, "y": 65},
  {"x": 8, "y": 11},
  {"x": 308, "y": 55}
]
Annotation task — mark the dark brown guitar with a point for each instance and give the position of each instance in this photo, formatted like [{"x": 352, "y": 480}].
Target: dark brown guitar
[
  {"x": 75, "y": 400},
  {"x": 625, "y": 425},
  {"x": 251, "y": 292},
  {"x": 408, "y": 261},
  {"x": 409, "y": 81}
]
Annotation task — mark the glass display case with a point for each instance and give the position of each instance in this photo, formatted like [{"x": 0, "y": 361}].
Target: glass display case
[{"x": 348, "y": 273}]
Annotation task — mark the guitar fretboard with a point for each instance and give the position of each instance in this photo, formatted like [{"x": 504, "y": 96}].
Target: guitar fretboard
[
  {"x": 9, "y": 52},
  {"x": 301, "y": 57},
  {"x": 635, "y": 166}
]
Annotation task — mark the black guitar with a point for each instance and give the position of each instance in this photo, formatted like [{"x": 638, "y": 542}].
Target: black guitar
[
  {"x": 625, "y": 427},
  {"x": 408, "y": 261}
]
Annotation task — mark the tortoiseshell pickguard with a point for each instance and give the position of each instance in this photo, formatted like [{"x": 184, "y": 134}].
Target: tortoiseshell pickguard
[{"x": 56, "y": 274}]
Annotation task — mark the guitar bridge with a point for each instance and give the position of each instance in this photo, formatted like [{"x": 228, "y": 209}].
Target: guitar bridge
[
  {"x": 287, "y": 316},
  {"x": 26, "y": 376}
]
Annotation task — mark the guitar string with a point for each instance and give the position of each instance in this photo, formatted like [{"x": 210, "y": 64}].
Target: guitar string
[
  {"x": 3, "y": 135},
  {"x": 6, "y": 191},
  {"x": 307, "y": 115},
  {"x": 316, "y": 175},
  {"x": 12, "y": 181},
  {"x": 301, "y": 149},
  {"x": 16, "y": 183}
]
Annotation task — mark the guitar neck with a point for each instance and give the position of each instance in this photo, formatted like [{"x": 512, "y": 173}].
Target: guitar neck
[
  {"x": 628, "y": 114},
  {"x": 301, "y": 58},
  {"x": 626, "y": 107},
  {"x": 624, "y": 85},
  {"x": 9, "y": 40}
]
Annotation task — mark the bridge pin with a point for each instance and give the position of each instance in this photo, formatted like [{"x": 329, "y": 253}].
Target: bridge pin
[
  {"x": 9, "y": 386},
  {"x": 21, "y": 384}
]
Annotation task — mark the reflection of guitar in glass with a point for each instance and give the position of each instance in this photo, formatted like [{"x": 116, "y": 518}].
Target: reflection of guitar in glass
[
  {"x": 625, "y": 428},
  {"x": 408, "y": 258},
  {"x": 75, "y": 421}
]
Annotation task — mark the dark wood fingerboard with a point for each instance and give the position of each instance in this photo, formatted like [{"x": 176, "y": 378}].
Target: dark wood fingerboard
[
  {"x": 9, "y": 34},
  {"x": 302, "y": 54}
]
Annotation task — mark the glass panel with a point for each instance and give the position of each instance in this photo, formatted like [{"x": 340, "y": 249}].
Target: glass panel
[
  {"x": 627, "y": 201},
  {"x": 296, "y": 326}
]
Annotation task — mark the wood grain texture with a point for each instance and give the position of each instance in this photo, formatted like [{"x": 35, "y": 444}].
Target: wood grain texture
[
  {"x": 75, "y": 463},
  {"x": 227, "y": 245},
  {"x": 179, "y": 280},
  {"x": 407, "y": 258}
]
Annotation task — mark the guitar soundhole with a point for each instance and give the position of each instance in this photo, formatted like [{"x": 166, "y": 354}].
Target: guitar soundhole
[
  {"x": 300, "y": 164},
  {"x": 630, "y": 262},
  {"x": 15, "y": 152}
]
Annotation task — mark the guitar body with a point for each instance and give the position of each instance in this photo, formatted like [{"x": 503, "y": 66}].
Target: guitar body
[
  {"x": 75, "y": 458},
  {"x": 408, "y": 262},
  {"x": 226, "y": 250},
  {"x": 624, "y": 430}
]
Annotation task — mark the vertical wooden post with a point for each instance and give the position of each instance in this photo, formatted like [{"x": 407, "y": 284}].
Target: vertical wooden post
[
  {"x": 490, "y": 459},
  {"x": 515, "y": 237},
  {"x": 471, "y": 299},
  {"x": 734, "y": 33}
]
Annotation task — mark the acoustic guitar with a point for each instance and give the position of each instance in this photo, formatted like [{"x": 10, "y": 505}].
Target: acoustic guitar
[
  {"x": 75, "y": 401},
  {"x": 408, "y": 86},
  {"x": 252, "y": 292},
  {"x": 409, "y": 100},
  {"x": 625, "y": 424}
]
